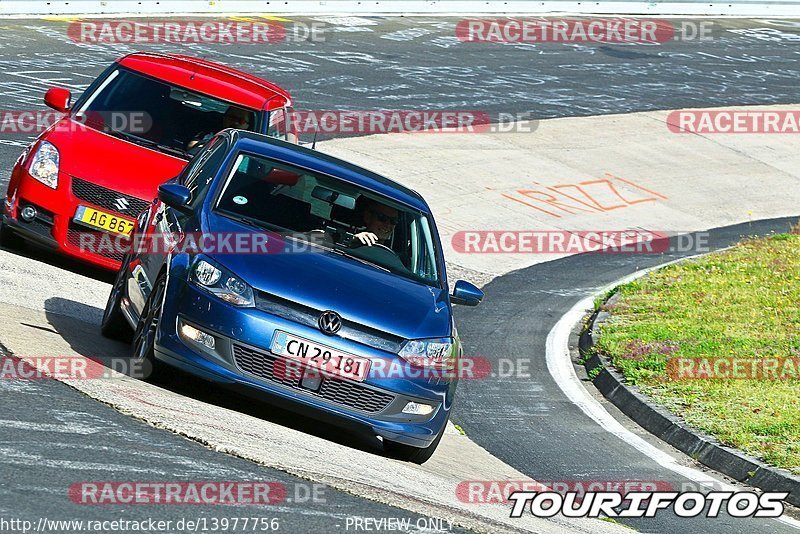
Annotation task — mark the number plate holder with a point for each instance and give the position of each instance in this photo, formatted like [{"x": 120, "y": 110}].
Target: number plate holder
[{"x": 330, "y": 362}]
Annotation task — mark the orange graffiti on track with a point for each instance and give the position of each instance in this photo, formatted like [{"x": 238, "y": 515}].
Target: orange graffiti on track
[{"x": 589, "y": 196}]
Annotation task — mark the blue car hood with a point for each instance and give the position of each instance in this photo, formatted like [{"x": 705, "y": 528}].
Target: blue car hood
[{"x": 358, "y": 292}]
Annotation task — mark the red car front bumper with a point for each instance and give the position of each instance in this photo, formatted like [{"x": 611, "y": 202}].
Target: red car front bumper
[{"x": 54, "y": 226}]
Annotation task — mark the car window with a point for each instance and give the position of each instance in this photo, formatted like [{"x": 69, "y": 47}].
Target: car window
[
  {"x": 279, "y": 126},
  {"x": 204, "y": 168},
  {"x": 331, "y": 213},
  {"x": 160, "y": 115}
]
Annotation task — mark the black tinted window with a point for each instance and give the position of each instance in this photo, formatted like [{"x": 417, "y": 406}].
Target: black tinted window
[
  {"x": 146, "y": 110},
  {"x": 204, "y": 168}
]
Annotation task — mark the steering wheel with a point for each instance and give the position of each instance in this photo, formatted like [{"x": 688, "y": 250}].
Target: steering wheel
[
  {"x": 385, "y": 248},
  {"x": 376, "y": 245},
  {"x": 382, "y": 255}
]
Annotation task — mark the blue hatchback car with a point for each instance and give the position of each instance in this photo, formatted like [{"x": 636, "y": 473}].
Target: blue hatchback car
[{"x": 302, "y": 277}]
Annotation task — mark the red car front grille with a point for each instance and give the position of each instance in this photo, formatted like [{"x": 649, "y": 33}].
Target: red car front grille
[{"x": 108, "y": 198}]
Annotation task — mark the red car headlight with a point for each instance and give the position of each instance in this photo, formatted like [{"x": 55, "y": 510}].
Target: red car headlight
[{"x": 44, "y": 164}]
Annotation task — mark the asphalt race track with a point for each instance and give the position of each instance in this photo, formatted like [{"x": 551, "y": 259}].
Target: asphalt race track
[
  {"x": 418, "y": 63},
  {"x": 50, "y": 433},
  {"x": 53, "y": 435},
  {"x": 552, "y": 439}
]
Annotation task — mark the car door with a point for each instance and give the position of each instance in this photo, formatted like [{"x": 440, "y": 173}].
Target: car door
[{"x": 166, "y": 227}]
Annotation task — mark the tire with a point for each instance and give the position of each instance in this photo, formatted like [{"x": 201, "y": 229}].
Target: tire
[
  {"x": 8, "y": 239},
  {"x": 145, "y": 336},
  {"x": 114, "y": 324},
  {"x": 408, "y": 453}
]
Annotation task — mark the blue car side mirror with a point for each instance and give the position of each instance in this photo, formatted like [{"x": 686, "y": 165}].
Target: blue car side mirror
[
  {"x": 466, "y": 294},
  {"x": 175, "y": 196}
]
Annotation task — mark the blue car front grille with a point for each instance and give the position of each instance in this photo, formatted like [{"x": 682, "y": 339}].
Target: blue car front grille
[
  {"x": 308, "y": 316},
  {"x": 344, "y": 392}
]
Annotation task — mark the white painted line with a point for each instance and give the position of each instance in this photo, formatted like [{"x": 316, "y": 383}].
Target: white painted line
[
  {"x": 47, "y": 427},
  {"x": 559, "y": 363}
]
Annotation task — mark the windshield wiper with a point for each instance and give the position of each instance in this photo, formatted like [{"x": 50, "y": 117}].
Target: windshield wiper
[
  {"x": 150, "y": 144},
  {"x": 362, "y": 260},
  {"x": 246, "y": 221},
  {"x": 172, "y": 150}
]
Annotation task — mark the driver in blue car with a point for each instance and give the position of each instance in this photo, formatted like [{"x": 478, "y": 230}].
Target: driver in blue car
[{"x": 379, "y": 221}]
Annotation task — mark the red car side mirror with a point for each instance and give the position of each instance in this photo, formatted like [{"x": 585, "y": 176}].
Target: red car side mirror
[{"x": 58, "y": 99}]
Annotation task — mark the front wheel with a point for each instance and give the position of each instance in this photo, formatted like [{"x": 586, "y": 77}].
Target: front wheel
[
  {"x": 144, "y": 338},
  {"x": 8, "y": 239},
  {"x": 408, "y": 453},
  {"x": 114, "y": 325}
]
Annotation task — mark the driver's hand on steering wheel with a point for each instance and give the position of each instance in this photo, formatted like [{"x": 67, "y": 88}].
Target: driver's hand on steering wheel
[{"x": 367, "y": 238}]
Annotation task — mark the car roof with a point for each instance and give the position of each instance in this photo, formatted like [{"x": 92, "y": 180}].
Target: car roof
[
  {"x": 210, "y": 78},
  {"x": 317, "y": 161}
]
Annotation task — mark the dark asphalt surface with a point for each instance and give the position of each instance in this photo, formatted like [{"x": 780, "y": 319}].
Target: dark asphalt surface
[
  {"x": 401, "y": 63},
  {"x": 419, "y": 64},
  {"x": 52, "y": 437},
  {"x": 552, "y": 439}
]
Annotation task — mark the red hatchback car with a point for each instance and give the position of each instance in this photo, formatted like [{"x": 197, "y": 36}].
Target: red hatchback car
[{"x": 135, "y": 127}]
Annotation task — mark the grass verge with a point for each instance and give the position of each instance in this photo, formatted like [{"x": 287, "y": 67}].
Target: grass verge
[{"x": 741, "y": 305}]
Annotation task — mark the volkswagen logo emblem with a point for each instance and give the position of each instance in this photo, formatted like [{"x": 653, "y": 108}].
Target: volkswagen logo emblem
[
  {"x": 329, "y": 322},
  {"x": 122, "y": 204}
]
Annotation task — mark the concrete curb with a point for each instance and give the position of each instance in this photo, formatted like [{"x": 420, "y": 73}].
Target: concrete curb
[{"x": 672, "y": 429}]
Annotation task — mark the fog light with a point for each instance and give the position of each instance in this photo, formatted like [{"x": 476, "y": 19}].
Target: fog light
[
  {"x": 198, "y": 336},
  {"x": 28, "y": 213},
  {"x": 416, "y": 408}
]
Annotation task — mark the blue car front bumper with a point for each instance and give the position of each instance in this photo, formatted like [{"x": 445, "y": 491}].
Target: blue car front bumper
[{"x": 241, "y": 357}]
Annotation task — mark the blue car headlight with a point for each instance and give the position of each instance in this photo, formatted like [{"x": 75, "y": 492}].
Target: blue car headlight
[
  {"x": 436, "y": 353},
  {"x": 222, "y": 283}
]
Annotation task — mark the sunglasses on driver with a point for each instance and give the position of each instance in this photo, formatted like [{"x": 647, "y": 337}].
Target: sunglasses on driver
[{"x": 384, "y": 218}]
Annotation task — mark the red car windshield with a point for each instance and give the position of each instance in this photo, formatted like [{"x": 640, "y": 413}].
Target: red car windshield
[{"x": 162, "y": 116}]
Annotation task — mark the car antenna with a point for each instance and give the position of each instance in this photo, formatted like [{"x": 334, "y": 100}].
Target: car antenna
[{"x": 314, "y": 142}]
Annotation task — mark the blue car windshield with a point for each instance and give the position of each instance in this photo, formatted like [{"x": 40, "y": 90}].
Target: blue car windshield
[{"x": 332, "y": 214}]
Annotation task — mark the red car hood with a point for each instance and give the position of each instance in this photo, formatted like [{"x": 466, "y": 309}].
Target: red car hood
[{"x": 111, "y": 162}]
